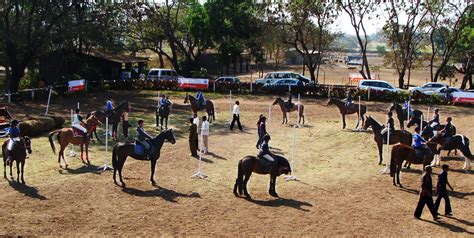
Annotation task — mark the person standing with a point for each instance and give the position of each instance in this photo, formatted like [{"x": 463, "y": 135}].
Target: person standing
[
  {"x": 193, "y": 138},
  {"x": 442, "y": 192},
  {"x": 205, "y": 133},
  {"x": 125, "y": 124},
  {"x": 262, "y": 130},
  {"x": 426, "y": 195},
  {"x": 195, "y": 119},
  {"x": 236, "y": 117}
]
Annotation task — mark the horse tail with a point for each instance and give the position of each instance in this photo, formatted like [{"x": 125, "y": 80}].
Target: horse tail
[
  {"x": 392, "y": 162},
  {"x": 51, "y": 142}
]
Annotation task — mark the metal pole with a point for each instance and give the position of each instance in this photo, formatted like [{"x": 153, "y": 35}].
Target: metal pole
[
  {"x": 359, "y": 118},
  {"x": 230, "y": 105},
  {"x": 387, "y": 153},
  {"x": 49, "y": 99},
  {"x": 292, "y": 177},
  {"x": 199, "y": 174},
  {"x": 105, "y": 166},
  {"x": 9, "y": 97},
  {"x": 72, "y": 153},
  {"x": 421, "y": 123},
  {"x": 298, "y": 116}
]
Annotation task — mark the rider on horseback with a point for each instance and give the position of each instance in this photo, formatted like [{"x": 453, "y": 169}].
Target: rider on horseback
[
  {"x": 419, "y": 144},
  {"x": 447, "y": 131},
  {"x": 434, "y": 123},
  {"x": 389, "y": 125},
  {"x": 142, "y": 137},
  {"x": 77, "y": 123},
  {"x": 200, "y": 99},
  {"x": 109, "y": 106},
  {"x": 14, "y": 133},
  {"x": 265, "y": 151},
  {"x": 349, "y": 98}
]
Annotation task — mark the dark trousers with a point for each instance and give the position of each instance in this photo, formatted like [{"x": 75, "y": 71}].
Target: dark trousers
[
  {"x": 235, "y": 119},
  {"x": 194, "y": 146},
  {"x": 125, "y": 127},
  {"x": 447, "y": 204},
  {"x": 428, "y": 200}
]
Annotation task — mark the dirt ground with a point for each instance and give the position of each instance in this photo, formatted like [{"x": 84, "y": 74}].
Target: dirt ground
[{"x": 340, "y": 191}]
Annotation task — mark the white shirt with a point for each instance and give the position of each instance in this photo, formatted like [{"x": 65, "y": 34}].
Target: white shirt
[
  {"x": 205, "y": 128},
  {"x": 75, "y": 120},
  {"x": 196, "y": 121},
  {"x": 236, "y": 109}
]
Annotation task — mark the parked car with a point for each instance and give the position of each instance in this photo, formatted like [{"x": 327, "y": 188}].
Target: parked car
[
  {"x": 442, "y": 91},
  {"x": 427, "y": 87},
  {"x": 274, "y": 76},
  {"x": 227, "y": 79},
  {"x": 377, "y": 85},
  {"x": 162, "y": 74},
  {"x": 283, "y": 83}
]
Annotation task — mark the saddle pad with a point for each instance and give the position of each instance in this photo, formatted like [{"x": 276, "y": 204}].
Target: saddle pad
[
  {"x": 77, "y": 133},
  {"x": 139, "y": 149}
]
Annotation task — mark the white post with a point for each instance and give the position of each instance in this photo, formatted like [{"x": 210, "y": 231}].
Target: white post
[
  {"x": 387, "y": 153},
  {"x": 78, "y": 105},
  {"x": 199, "y": 174},
  {"x": 421, "y": 123},
  {"x": 105, "y": 166},
  {"x": 230, "y": 106},
  {"x": 251, "y": 87},
  {"x": 359, "y": 117},
  {"x": 49, "y": 99},
  {"x": 408, "y": 111},
  {"x": 292, "y": 177},
  {"x": 214, "y": 85},
  {"x": 298, "y": 116},
  {"x": 428, "y": 114},
  {"x": 72, "y": 153}
]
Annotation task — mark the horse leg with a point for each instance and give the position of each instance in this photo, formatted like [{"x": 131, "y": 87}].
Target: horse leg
[
  {"x": 343, "y": 121},
  {"x": 121, "y": 162},
  {"x": 399, "y": 168},
  {"x": 61, "y": 154},
  {"x": 152, "y": 177},
  {"x": 87, "y": 153},
  {"x": 244, "y": 185},
  {"x": 358, "y": 120},
  {"x": 273, "y": 192},
  {"x": 380, "y": 147},
  {"x": 11, "y": 171},
  {"x": 22, "y": 171},
  {"x": 166, "y": 123},
  {"x": 161, "y": 123},
  {"x": 18, "y": 170},
  {"x": 82, "y": 153},
  {"x": 4, "y": 169}
]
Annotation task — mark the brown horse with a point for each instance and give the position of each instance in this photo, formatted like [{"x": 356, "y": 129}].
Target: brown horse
[
  {"x": 250, "y": 164},
  {"x": 18, "y": 154},
  {"x": 114, "y": 118},
  {"x": 294, "y": 108},
  {"x": 402, "y": 152},
  {"x": 347, "y": 110},
  {"x": 66, "y": 136},
  {"x": 195, "y": 107},
  {"x": 397, "y": 136},
  {"x": 123, "y": 150}
]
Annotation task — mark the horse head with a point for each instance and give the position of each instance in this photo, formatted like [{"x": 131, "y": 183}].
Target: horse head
[
  {"x": 367, "y": 123},
  {"x": 393, "y": 106},
  {"x": 330, "y": 102},
  {"x": 411, "y": 122},
  {"x": 93, "y": 121},
  {"x": 278, "y": 100},
  {"x": 283, "y": 165},
  {"x": 187, "y": 98},
  {"x": 169, "y": 136},
  {"x": 27, "y": 144}
]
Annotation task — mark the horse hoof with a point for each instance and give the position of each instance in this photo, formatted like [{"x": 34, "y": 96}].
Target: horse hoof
[
  {"x": 123, "y": 185},
  {"x": 23, "y": 181},
  {"x": 247, "y": 196},
  {"x": 236, "y": 194},
  {"x": 153, "y": 183},
  {"x": 274, "y": 195},
  {"x": 401, "y": 186}
]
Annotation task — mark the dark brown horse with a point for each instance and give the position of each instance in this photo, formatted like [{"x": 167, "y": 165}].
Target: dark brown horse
[
  {"x": 18, "y": 154},
  {"x": 114, "y": 118},
  {"x": 402, "y": 114},
  {"x": 250, "y": 164},
  {"x": 402, "y": 152},
  {"x": 195, "y": 107},
  {"x": 123, "y": 150},
  {"x": 294, "y": 108},
  {"x": 397, "y": 136},
  {"x": 347, "y": 110}
]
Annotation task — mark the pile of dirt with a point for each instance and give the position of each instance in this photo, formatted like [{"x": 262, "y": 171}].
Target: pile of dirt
[{"x": 37, "y": 125}]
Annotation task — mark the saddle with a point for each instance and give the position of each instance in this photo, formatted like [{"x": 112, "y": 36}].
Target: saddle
[
  {"x": 265, "y": 164},
  {"x": 77, "y": 133},
  {"x": 201, "y": 105},
  {"x": 289, "y": 106},
  {"x": 139, "y": 149}
]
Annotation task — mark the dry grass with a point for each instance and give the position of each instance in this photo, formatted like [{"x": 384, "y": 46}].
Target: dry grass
[{"x": 340, "y": 192}]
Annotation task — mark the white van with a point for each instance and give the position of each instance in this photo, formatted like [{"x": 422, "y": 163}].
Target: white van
[
  {"x": 162, "y": 74},
  {"x": 377, "y": 85}
]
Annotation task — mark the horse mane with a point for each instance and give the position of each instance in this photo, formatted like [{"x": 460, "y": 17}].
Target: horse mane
[{"x": 376, "y": 123}]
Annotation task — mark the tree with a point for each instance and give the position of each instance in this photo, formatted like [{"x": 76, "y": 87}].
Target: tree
[
  {"x": 403, "y": 37},
  {"x": 26, "y": 30},
  {"x": 357, "y": 12},
  {"x": 446, "y": 23},
  {"x": 464, "y": 53},
  {"x": 305, "y": 23}
]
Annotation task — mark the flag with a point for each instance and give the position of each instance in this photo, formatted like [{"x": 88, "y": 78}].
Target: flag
[{"x": 76, "y": 85}]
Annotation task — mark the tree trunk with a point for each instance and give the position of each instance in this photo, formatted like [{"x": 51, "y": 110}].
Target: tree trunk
[{"x": 401, "y": 76}]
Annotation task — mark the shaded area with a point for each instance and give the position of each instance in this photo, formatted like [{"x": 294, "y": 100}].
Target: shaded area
[
  {"x": 283, "y": 202},
  {"x": 26, "y": 190},
  {"x": 451, "y": 227},
  {"x": 93, "y": 169},
  {"x": 167, "y": 194}
]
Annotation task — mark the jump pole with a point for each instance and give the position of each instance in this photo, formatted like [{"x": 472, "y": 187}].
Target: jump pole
[
  {"x": 408, "y": 112},
  {"x": 359, "y": 117},
  {"x": 199, "y": 174},
  {"x": 387, "y": 154},
  {"x": 421, "y": 123},
  {"x": 297, "y": 116},
  {"x": 105, "y": 166},
  {"x": 72, "y": 153},
  {"x": 49, "y": 100},
  {"x": 230, "y": 106},
  {"x": 292, "y": 177}
]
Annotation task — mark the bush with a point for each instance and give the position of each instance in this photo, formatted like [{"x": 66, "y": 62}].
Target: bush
[{"x": 35, "y": 126}]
